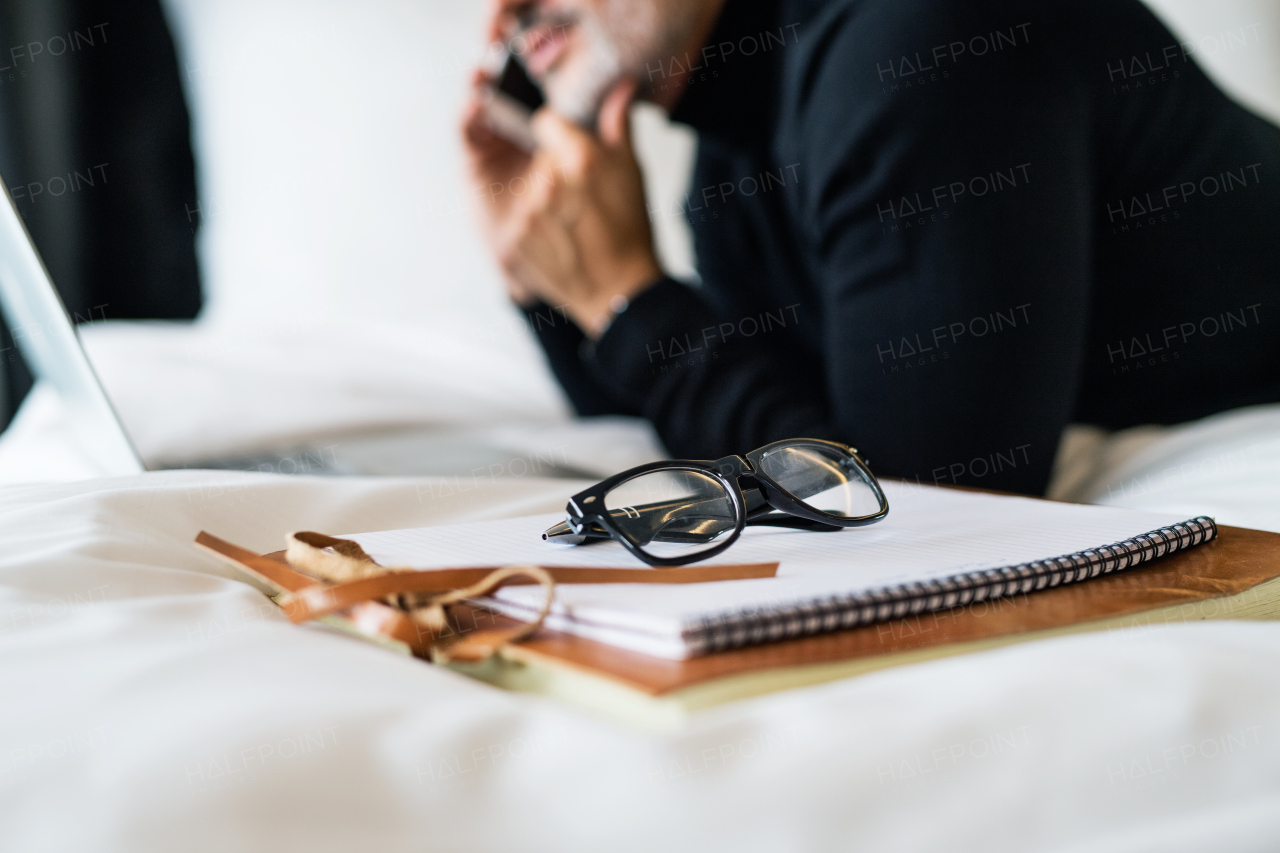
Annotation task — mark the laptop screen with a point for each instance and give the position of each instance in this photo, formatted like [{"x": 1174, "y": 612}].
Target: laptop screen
[{"x": 44, "y": 333}]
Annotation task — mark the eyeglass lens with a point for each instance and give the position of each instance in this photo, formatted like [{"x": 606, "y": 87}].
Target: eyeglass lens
[
  {"x": 672, "y": 513},
  {"x": 825, "y": 478}
]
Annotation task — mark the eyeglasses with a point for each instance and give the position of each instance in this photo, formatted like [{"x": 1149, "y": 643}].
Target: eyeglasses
[{"x": 677, "y": 512}]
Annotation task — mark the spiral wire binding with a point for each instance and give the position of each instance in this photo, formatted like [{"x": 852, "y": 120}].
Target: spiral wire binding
[{"x": 732, "y": 629}]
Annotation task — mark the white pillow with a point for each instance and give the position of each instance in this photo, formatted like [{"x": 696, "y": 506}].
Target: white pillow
[
  {"x": 1226, "y": 466},
  {"x": 1236, "y": 41}
]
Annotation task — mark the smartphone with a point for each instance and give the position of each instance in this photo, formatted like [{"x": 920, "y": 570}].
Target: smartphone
[{"x": 512, "y": 101}]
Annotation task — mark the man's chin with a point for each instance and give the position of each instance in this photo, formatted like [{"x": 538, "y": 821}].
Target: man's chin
[
  {"x": 577, "y": 96},
  {"x": 576, "y": 84}
]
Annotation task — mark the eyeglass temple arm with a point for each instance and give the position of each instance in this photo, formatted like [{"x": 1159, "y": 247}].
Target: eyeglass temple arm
[{"x": 768, "y": 518}]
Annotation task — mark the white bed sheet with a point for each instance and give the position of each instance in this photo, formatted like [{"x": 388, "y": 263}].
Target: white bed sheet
[
  {"x": 149, "y": 704},
  {"x": 1229, "y": 462}
]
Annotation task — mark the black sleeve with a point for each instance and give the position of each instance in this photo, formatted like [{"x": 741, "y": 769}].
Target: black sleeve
[
  {"x": 707, "y": 393},
  {"x": 947, "y": 230},
  {"x": 562, "y": 343}
]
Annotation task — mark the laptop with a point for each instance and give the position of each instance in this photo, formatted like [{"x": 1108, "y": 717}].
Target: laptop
[{"x": 44, "y": 333}]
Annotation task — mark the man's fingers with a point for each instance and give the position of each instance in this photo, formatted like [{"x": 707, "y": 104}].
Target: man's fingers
[
  {"x": 483, "y": 141},
  {"x": 496, "y": 21},
  {"x": 472, "y": 119},
  {"x": 480, "y": 139},
  {"x": 615, "y": 115},
  {"x": 518, "y": 292},
  {"x": 570, "y": 146},
  {"x": 475, "y": 126},
  {"x": 554, "y": 130}
]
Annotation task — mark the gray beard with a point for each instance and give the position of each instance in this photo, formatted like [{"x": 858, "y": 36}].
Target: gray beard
[
  {"x": 622, "y": 40},
  {"x": 579, "y": 99}
]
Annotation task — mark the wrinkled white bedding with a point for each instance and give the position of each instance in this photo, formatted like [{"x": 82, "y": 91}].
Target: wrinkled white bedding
[
  {"x": 149, "y": 704},
  {"x": 1228, "y": 463}
]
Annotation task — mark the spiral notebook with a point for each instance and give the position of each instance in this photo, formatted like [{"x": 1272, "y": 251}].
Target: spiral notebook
[{"x": 938, "y": 549}]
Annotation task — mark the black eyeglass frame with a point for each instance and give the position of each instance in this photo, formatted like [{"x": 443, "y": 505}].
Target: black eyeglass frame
[{"x": 586, "y": 510}]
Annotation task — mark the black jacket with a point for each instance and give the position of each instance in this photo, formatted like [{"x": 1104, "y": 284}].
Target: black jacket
[{"x": 943, "y": 231}]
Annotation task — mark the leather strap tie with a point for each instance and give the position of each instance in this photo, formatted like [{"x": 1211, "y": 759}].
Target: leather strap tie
[{"x": 350, "y": 577}]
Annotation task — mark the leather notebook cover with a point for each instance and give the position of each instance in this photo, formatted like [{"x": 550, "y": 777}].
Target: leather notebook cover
[{"x": 1237, "y": 560}]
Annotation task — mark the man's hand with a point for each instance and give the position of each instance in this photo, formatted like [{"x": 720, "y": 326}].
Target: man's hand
[
  {"x": 569, "y": 224},
  {"x": 494, "y": 163}
]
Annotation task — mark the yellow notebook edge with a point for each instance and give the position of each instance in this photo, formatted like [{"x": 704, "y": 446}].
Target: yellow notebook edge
[{"x": 519, "y": 671}]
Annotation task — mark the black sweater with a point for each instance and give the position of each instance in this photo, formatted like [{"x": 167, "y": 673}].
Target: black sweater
[{"x": 942, "y": 231}]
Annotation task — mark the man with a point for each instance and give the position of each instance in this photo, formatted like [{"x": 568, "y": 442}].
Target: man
[{"x": 938, "y": 231}]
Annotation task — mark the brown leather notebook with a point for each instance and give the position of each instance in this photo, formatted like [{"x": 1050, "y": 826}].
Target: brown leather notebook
[{"x": 1233, "y": 576}]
